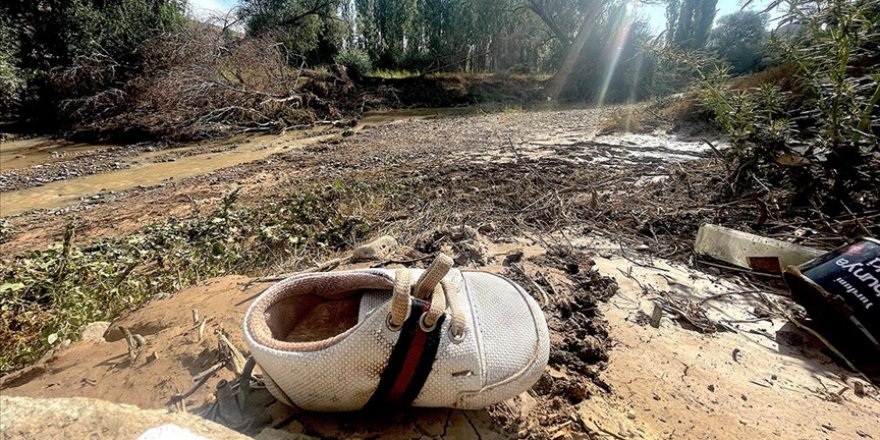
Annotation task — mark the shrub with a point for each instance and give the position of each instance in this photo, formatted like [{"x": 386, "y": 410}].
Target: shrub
[
  {"x": 11, "y": 81},
  {"x": 828, "y": 158},
  {"x": 357, "y": 61}
]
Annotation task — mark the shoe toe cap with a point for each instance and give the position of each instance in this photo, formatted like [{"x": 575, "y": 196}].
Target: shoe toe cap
[{"x": 513, "y": 332}]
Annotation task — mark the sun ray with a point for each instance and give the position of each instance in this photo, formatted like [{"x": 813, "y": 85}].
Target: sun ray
[{"x": 616, "y": 47}]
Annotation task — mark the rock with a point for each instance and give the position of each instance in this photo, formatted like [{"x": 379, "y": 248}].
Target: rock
[
  {"x": 463, "y": 232},
  {"x": 94, "y": 332},
  {"x": 522, "y": 405},
  {"x": 486, "y": 228},
  {"x": 277, "y": 434},
  {"x": 113, "y": 334},
  {"x": 378, "y": 249},
  {"x": 514, "y": 256},
  {"x": 31, "y": 419}
]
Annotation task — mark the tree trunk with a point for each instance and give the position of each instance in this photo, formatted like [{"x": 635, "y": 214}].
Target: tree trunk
[{"x": 556, "y": 85}]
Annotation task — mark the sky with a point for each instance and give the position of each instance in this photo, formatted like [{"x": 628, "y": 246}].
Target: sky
[
  {"x": 654, "y": 13},
  {"x": 206, "y": 8}
]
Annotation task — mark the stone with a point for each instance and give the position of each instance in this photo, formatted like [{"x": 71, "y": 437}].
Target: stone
[
  {"x": 28, "y": 418},
  {"x": 278, "y": 434},
  {"x": 94, "y": 332},
  {"x": 378, "y": 249},
  {"x": 514, "y": 256}
]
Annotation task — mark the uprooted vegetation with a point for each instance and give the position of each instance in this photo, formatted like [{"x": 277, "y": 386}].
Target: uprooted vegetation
[{"x": 195, "y": 84}]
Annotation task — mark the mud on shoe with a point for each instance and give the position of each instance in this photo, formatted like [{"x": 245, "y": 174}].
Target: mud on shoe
[{"x": 370, "y": 338}]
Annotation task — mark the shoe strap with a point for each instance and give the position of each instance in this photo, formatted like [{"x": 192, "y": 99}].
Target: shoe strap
[
  {"x": 431, "y": 286},
  {"x": 411, "y": 361}
]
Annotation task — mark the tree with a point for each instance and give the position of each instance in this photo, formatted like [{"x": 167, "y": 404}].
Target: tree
[
  {"x": 599, "y": 47},
  {"x": 688, "y": 22},
  {"x": 11, "y": 81},
  {"x": 52, "y": 33},
  {"x": 104, "y": 36},
  {"x": 309, "y": 28},
  {"x": 739, "y": 39}
]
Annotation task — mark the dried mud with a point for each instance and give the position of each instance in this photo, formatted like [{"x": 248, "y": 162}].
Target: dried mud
[{"x": 598, "y": 239}]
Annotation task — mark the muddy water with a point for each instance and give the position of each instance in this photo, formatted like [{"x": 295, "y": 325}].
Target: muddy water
[
  {"x": 29, "y": 152},
  {"x": 65, "y": 192},
  {"x": 26, "y": 153}
]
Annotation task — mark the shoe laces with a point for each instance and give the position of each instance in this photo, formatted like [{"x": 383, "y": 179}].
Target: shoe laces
[{"x": 432, "y": 286}]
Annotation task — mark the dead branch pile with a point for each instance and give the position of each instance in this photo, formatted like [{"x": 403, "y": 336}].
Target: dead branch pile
[{"x": 195, "y": 84}]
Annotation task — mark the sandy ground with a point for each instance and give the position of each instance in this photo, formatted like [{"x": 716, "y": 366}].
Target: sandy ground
[
  {"x": 753, "y": 375},
  {"x": 761, "y": 379}
]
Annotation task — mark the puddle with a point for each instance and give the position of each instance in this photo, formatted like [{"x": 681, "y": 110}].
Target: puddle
[
  {"x": 625, "y": 149},
  {"x": 372, "y": 119},
  {"x": 25, "y": 153},
  {"x": 66, "y": 192}
]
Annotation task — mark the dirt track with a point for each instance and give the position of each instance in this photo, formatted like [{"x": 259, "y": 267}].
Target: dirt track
[{"x": 761, "y": 379}]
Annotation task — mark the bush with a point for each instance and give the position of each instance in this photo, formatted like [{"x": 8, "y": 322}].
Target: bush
[
  {"x": 739, "y": 39},
  {"x": 820, "y": 131},
  {"x": 357, "y": 61},
  {"x": 11, "y": 81},
  {"x": 39, "y": 38}
]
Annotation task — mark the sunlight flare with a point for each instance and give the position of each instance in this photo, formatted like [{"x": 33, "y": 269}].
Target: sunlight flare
[{"x": 615, "y": 48}]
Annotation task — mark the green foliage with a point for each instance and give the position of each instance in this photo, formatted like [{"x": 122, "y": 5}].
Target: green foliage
[
  {"x": 11, "y": 80},
  {"x": 827, "y": 156},
  {"x": 739, "y": 39},
  {"x": 837, "y": 56},
  {"x": 49, "y": 295},
  {"x": 355, "y": 60},
  {"x": 308, "y": 28},
  {"x": 457, "y": 35},
  {"x": 53, "y": 35}
]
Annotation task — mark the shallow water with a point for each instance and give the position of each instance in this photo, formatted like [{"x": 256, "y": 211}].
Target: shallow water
[
  {"x": 64, "y": 192},
  {"x": 25, "y": 153},
  {"x": 140, "y": 171}
]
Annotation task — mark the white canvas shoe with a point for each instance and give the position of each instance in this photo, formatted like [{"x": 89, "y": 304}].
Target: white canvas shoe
[{"x": 371, "y": 338}]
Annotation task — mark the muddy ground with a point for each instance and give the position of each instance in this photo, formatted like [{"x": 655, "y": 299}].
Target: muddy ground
[{"x": 604, "y": 224}]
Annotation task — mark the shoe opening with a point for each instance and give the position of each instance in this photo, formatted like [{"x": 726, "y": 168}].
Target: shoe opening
[{"x": 312, "y": 311}]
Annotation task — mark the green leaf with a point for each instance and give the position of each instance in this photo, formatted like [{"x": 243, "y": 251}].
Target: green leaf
[{"x": 11, "y": 287}]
